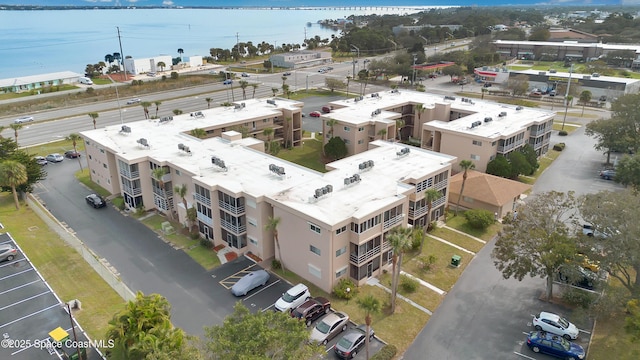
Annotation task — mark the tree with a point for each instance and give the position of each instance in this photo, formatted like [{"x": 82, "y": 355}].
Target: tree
[
  {"x": 261, "y": 335},
  {"x": 272, "y": 225},
  {"x": 430, "y": 195},
  {"x": 254, "y": 86},
  {"x": 334, "y": 84},
  {"x": 465, "y": 165},
  {"x": 383, "y": 134},
  {"x": 610, "y": 135},
  {"x": 538, "y": 240},
  {"x": 161, "y": 65},
  {"x": 614, "y": 214},
  {"x": 158, "y": 173},
  {"x": 9, "y": 151},
  {"x": 499, "y": 166},
  {"x": 199, "y": 133},
  {"x": 519, "y": 164},
  {"x": 632, "y": 321},
  {"x": 267, "y": 132},
  {"x": 585, "y": 97},
  {"x": 370, "y": 305},
  {"x": 143, "y": 330},
  {"x": 181, "y": 190},
  {"x": 399, "y": 125},
  {"x": 15, "y": 128},
  {"x": 453, "y": 70},
  {"x": 628, "y": 172},
  {"x": 335, "y": 148},
  {"x": 157, "y": 103},
  {"x": 13, "y": 174},
  {"x": 243, "y": 86},
  {"x": 145, "y": 107},
  {"x": 208, "y": 100},
  {"x": 180, "y": 51},
  {"x": 539, "y": 34},
  {"x": 74, "y": 138},
  {"x": 400, "y": 241},
  {"x": 532, "y": 158},
  {"x": 93, "y": 116},
  {"x": 274, "y": 91},
  {"x": 518, "y": 85}
]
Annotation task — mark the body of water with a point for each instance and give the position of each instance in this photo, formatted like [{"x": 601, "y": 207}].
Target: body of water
[{"x": 46, "y": 41}]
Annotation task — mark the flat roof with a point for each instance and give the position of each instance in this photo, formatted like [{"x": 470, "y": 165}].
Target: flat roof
[
  {"x": 27, "y": 80},
  {"x": 577, "y": 76},
  {"x": 572, "y": 44},
  {"x": 29, "y": 310}
]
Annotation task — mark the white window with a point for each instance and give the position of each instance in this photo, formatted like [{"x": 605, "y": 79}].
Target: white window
[
  {"x": 347, "y": 129},
  {"x": 341, "y": 251},
  {"x": 252, "y": 221},
  {"x": 341, "y": 271},
  {"x": 475, "y": 157},
  {"x": 341, "y": 230},
  {"x": 314, "y": 250},
  {"x": 477, "y": 143},
  {"x": 253, "y": 241},
  {"x": 315, "y": 271},
  {"x": 315, "y": 228}
]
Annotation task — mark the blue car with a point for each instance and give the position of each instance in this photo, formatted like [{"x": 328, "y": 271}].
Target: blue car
[{"x": 555, "y": 345}]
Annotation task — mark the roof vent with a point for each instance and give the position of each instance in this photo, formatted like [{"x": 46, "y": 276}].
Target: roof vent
[
  {"x": 143, "y": 142},
  {"x": 184, "y": 148},
  {"x": 518, "y": 108},
  {"x": 272, "y": 102},
  {"x": 475, "y": 124},
  {"x": 323, "y": 191},
  {"x": 452, "y": 98},
  {"x": 125, "y": 129},
  {"x": 403, "y": 152},
  {"x": 365, "y": 165},
  {"x": 352, "y": 179},
  {"x": 219, "y": 163},
  {"x": 197, "y": 114},
  {"x": 488, "y": 119},
  {"x": 278, "y": 170},
  {"x": 166, "y": 119},
  {"x": 375, "y": 95},
  {"x": 395, "y": 91},
  {"x": 502, "y": 114}
]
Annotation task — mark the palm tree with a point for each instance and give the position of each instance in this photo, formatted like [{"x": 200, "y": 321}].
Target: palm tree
[
  {"x": 1, "y": 130},
  {"x": 284, "y": 78},
  {"x": 399, "y": 126},
  {"x": 243, "y": 86},
  {"x": 274, "y": 91},
  {"x": 117, "y": 57},
  {"x": 15, "y": 128},
  {"x": 254, "y": 86},
  {"x": 177, "y": 111},
  {"x": 430, "y": 196},
  {"x": 208, "y": 100},
  {"x": 13, "y": 174},
  {"x": 145, "y": 106},
  {"x": 268, "y": 132},
  {"x": 93, "y": 116},
  {"x": 199, "y": 133},
  {"x": 108, "y": 59},
  {"x": 181, "y": 190},
  {"x": 331, "y": 123},
  {"x": 348, "y": 80},
  {"x": 383, "y": 134},
  {"x": 180, "y": 51},
  {"x": 370, "y": 305},
  {"x": 272, "y": 225},
  {"x": 400, "y": 240},
  {"x": 157, "y": 174},
  {"x": 74, "y": 138},
  {"x": 161, "y": 65},
  {"x": 464, "y": 165},
  {"x": 419, "y": 110},
  {"x": 585, "y": 97},
  {"x": 157, "y": 103}
]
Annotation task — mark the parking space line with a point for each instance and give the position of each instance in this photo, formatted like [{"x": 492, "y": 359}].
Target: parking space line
[
  {"x": 30, "y": 315},
  {"x": 524, "y": 356},
  {"x": 270, "y": 306},
  {"x": 24, "y": 300},
  {"x": 16, "y": 274},
  {"x": 261, "y": 290},
  {"x": 585, "y": 331},
  {"x": 231, "y": 280},
  {"x": 19, "y": 287}
]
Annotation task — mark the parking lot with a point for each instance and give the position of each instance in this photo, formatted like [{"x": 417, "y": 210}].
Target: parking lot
[
  {"x": 263, "y": 298},
  {"x": 30, "y": 311}
]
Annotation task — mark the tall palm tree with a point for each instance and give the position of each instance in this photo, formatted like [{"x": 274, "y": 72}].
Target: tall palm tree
[
  {"x": 383, "y": 134},
  {"x": 400, "y": 240},
  {"x": 161, "y": 65},
  {"x": 243, "y": 86},
  {"x": 371, "y": 305},
  {"x": 585, "y": 97},
  {"x": 157, "y": 174},
  {"x": 254, "y": 86},
  {"x": 274, "y": 91},
  {"x": 430, "y": 196},
  {"x": 268, "y": 132},
  {"x": 74, "y": 138},
  {"x": 180, "y": 51},
  {"x": 108, "y": 59},
  {"x": 182, "y": 190},
  {"x": 399, "y": 126},
  {"x": 464, "y": 165},
  {"x": 208, "y": 100},
  {"x": 199, "y": 133},
  {"x": 331, "y": 123},
  {"x": 93, "y": 116},
  {"x": 419, "y": 110},
  {"x": 272, "y": 225},
  {"x": 13, "y": 174},
  {"x": 157, "y": 103},
  {"x": 145, "y": 107},
  {"x": 15, "y": 128}
]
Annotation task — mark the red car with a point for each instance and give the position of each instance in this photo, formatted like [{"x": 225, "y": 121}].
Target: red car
[
  {"x": 315, "y": 114},
  {"x": 311, "y": 310}
]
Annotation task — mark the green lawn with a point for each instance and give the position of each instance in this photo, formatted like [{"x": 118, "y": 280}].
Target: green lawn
[
  {"x": 568, "y": 127},
  {"x": 423, "y": 296},
  {"x": 59, "y": 146},
  {"x": 545, "y": 161},
  {"x": 62, "y": 267},
  {"x": 458, "y": 239},
  {"x": 309, "y": 155},
  {"x": 460, "y": 223}
]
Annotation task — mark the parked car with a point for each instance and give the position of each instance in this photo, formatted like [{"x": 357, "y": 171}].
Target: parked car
[
  {"x": 608, "y": 174},
  {"x": 315, "y": 114},
  {"x": 133, "y": 101},
  {"x": 71, "y": 154},
  {"x": 578, "y": 276},
  {"x": 7, "y": 252},
  {"x": 330, "y": 326},
  {"x": 54, "y": 157},
  {"x": 249, "y": 282},
  {"x": 326, "y": 109},
  {"x": 487, "y": 85},
  {"x": 555, "y": 324},
  {"x": 547, "y": 343},
  {"x": 227, "y": 82},
  {"x": 151, "y": 74},
  {"x": 293, "y": 298},
  {"x": 23, "y": 119},
  {"x": 536, "y": 94},
  {"x": 553, "y": 93},
  {"x": 287, "y": 73},
  {"x": 40, "y": 160},
  {"x": 311, "y": 310},
  {"x": 244, "y": 75},
  {"x": 352, "y": 342},
  {"x": 95, "y": 201}
]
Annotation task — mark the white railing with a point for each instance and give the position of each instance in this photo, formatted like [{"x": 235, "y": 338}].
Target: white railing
[
  {"x": 418, "y": 212},
  {"x": 201, "y": 199},
  {"x": 205, "y": 219},
  {"x": 359, "y": 259},
  {"x": 236, "y": 229},
  {"x": 237, "y": 210},
  {"x": 394, "y": 220}
]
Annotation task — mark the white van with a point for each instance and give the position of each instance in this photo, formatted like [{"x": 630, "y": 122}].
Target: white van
[{"x": 85, "y": 80}]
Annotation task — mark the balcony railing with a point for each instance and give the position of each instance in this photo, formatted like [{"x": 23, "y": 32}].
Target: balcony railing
[
  {"x": 418, "y": 212},
  {"x": 236, "y": 229},
  {"x": 442, "y": 184},
  {"x": 205, "y": 219},
  {"x": 236, "y": 210},
  {"x": 129, "y": 174},
  {"x": 159, "y": 192},
  {"x": 201, "y": 199},
  {"x": 132, "y": 191},
  {"x": 364, "y": 257},
  {"x": 539, "y": 131},
  {"x": 505, "y": 148},
  {"x": 394, "y": 220}
]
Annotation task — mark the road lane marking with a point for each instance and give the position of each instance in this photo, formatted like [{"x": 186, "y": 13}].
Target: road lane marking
[{"x": 524, "y": 356}]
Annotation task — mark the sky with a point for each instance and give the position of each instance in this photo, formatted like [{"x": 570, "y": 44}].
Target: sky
[{"x": 315, "y": 3}]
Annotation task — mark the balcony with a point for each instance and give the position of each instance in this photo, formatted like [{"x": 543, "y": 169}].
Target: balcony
[
  {"x": 159, "y": 192},
  {"x": 442, "y": 184},
  {"x": 201, "y": 199},
  {"x": 236, "y": 229},
  {"x": 129, "y": 174},
  {"x": 207, "y": 220},
  {"x": 507, "y": 148},
  {"x": 418, "y": 212},
  {"x": 364, "y": 257},
  {"x": 132, "y": 191},
  {"x": 538, "y": 132},
  {"x": 393, "y": 221},
  {"x": 236, "y": 210}
]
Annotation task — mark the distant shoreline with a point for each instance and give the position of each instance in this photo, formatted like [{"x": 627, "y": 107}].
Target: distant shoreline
[{"x": 361, "y": 7}]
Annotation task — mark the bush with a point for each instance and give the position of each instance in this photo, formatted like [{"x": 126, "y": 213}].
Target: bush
[
  {"x": 206, "y": 243},
  {"x": 195, "y": 235},
  {"x": 432, "y": 226},
  {"x": 386, "y": 353},
  {"x": 408, "y": 284},
  {"x": 559, "y": 146},
  {"x": 579, "y": 298},
  {"x": 276, "y": 264},
  {"x": 174, "y": 75},
  {"x": 118, "y": 202},
  {"x": 426, "y": 262},
  {"x": 563, "y": 133},
  {"x": 479, "y": 218},
  {"x": 340, "y": 290}
]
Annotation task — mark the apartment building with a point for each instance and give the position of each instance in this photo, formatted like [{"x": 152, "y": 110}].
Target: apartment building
[
  {"x": 465, "y": 128},
  {"x": 332, "y": 225}
]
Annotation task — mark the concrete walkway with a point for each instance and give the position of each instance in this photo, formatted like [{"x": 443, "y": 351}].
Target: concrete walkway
[
  {"x": 452, "y": 244},
  {"x": 424, "y": 283},
  {"x": 464, "y": 233},
  {"x": 376, "y": 282}
]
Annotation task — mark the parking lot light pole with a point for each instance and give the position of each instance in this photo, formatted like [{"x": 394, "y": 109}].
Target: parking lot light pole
[
  {"x": 355, "y": 61},
  {"x": 117, "y": 100},
  {"x": 566, "y": 98}
]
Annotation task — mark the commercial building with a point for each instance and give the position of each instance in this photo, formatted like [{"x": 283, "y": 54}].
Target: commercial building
[
  {"x": 559, "y": 50},
  {"x": 38, "y": 82},
  {"x": 468, "y": 129},
  {"x": 300, "y": 59},
  {"x": 332, "y": 225},
  {"x": 144, "y": 65}
]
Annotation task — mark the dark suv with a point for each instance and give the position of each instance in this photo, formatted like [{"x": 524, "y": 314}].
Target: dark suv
[
  {"x": 95, "y": 201},
  {"x": 312, "y": 309}
]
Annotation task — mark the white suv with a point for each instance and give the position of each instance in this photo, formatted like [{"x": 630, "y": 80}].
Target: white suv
[
  {"x": 293, "y": 298},
  {"x": 555, "y": 324}
]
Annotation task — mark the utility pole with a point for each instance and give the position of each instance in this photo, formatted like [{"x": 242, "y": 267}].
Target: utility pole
[
  {"x": 238, "y": 46},
  {"x": 355, "y": 61},
  {"x": 124, "y": 67},
  {"x": 566, "y": 98}
]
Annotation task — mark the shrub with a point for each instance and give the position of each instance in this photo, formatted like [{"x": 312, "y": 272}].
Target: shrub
[
  {"x": 140, "y": 210},
  {"x": 206, "y": 243},
  {"x": 386, "y": 353},
  {"x": 118, "y": 202},
  {"x": 479, "y": 218},
  {"x": 559, "y": 146},
  {"x": 408, "y": 284},
  {"x": 563, "y": 133},
  {"x": 194, "y": 235},
  {"x": 432, "y": 226},
  {"x": 174, "y": 75},
  {"x": 579, "y": 298},
  {"x": 276, "y": 265},
  {"x": 426, "y": 262},
  {"x": 340, "y": 290}
]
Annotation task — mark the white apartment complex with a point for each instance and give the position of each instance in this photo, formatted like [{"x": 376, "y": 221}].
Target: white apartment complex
[{"x": 332, "y": 225}]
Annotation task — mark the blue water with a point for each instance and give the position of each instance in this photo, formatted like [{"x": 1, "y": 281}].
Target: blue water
[
  {"x": 46, "y": 41},
  {"x": 316, "y": 3}
]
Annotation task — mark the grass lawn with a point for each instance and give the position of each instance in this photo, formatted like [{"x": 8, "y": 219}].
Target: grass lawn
[
  {"x": 301, "y": 94},
  {"x": 59, "y": 146},
  {"x": 84, "y": 177},
  {"x": 568, "y": 127},
  {"x": 460, "y": 223},
  {"x": 458, "y": 239},
  {"x": 309, "y": 155},
  {"x": 62, "y": 267},
  {"x": 610, "y": 341},
  {"x": 423, "y": 296},
  {"x": 544, "y": 162}
]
